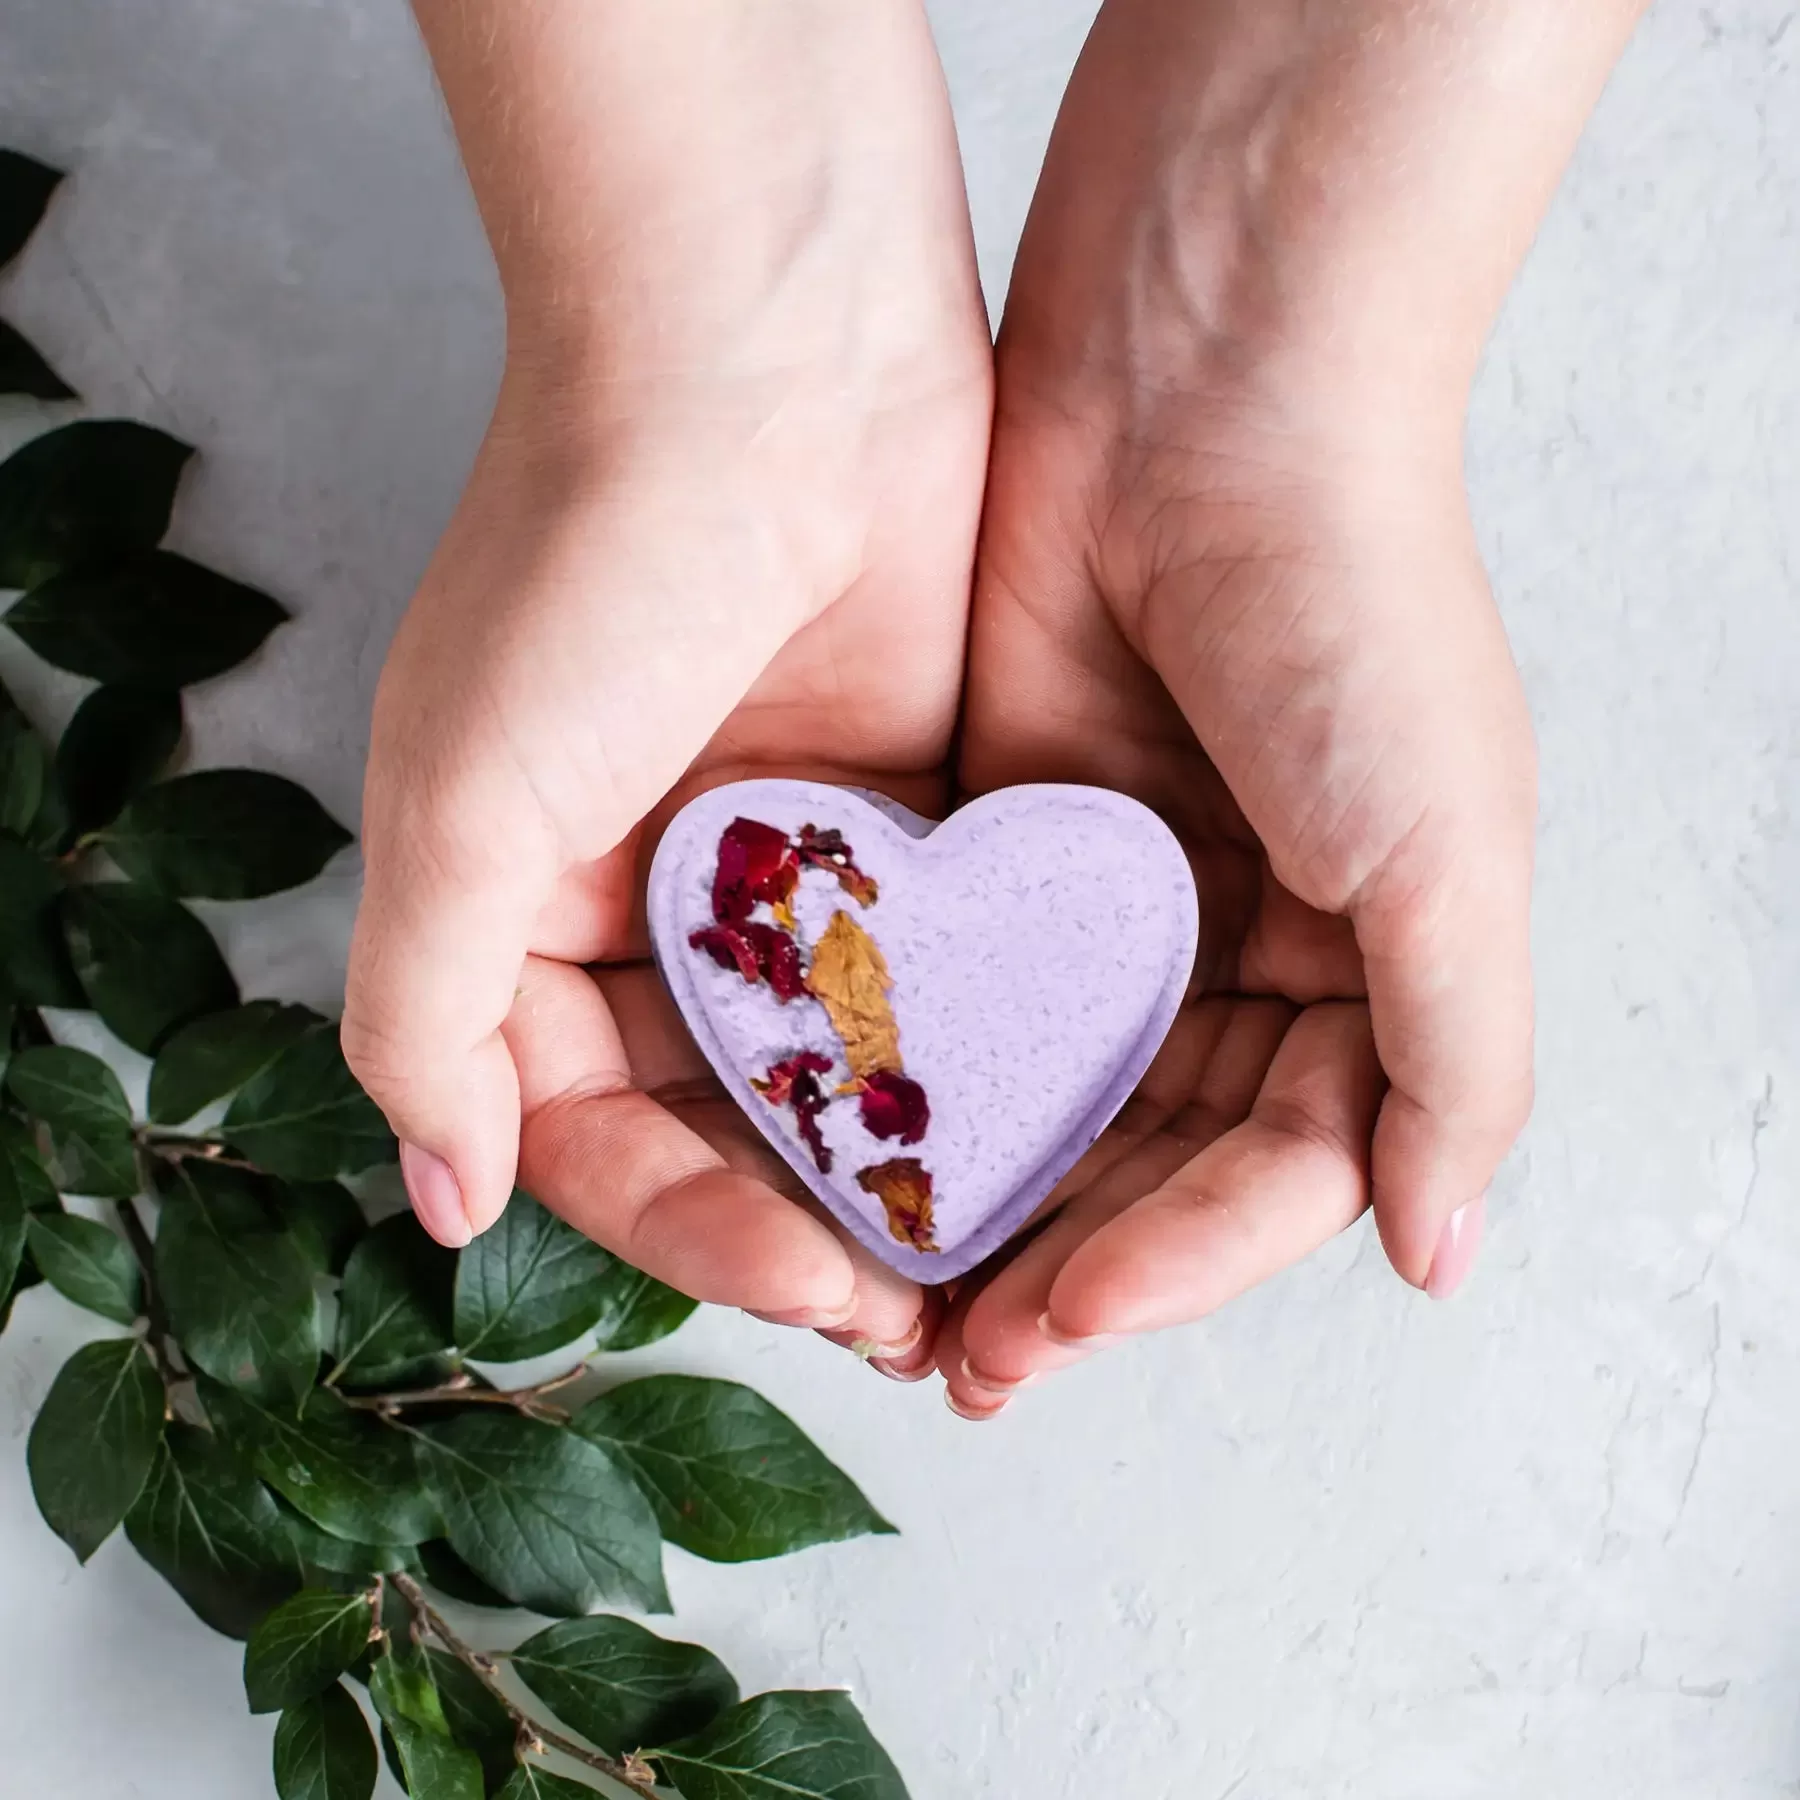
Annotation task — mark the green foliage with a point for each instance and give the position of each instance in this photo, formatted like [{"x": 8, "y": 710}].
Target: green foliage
[
  {"x": 88, "y": 1264},
  {"x": 731, "y": 1477},
  {"x": 783, "y": 1746},
  {"x": 146, "y": 964},
  {"x": 529, "y": 1285},
  {"x": 94, "y": 1440},
  {"x": 238, "y": 1291},
  {"x": 224, "y": 834},
  {"x": 213, "y": 1532},
  {"x": 119, "y": 741},
  {"x": 303, "y": 1646},
  {"x": 323, "y": 1750},
  {"x": 305, "y": 1118},
  {"x": 552, "y": 1521},
  {"x": 211, "y": 1058},
  {"x": 154, "y": 620},
  {"x": 84, "y": 496},
  {"x": 394, "y": 1309},
  {"x": 622, "y": 1686},
  {"x": 298, "y": 1435}
]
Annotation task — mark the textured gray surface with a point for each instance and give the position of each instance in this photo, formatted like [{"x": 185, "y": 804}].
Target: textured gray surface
[{"x": 1337, "y": 1544}]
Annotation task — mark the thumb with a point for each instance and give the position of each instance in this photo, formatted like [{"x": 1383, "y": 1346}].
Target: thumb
[{"x": 440, "y": 939}]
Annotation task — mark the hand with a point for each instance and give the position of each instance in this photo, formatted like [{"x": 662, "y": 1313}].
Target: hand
[
  {"x": 722, "y": 527},
  {"x": 1227, "y": 566}
]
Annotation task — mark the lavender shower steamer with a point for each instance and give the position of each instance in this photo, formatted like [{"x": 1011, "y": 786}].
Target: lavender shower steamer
[{"x": 929, "y": 1022}]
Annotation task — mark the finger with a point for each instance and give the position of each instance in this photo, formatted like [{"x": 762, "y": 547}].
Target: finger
[
  {"x": 434, "y": 963},
  {"x": 1445, "y": 937},
  {"x": 1000, "y": 1339},
  {"x": 1264, "y": 1195},
  {"x": 664, "y": 1059},
  {"x": 635, "y": 1179}
]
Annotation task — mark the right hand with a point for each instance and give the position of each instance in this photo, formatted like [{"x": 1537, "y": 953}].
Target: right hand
[{"x": 729, "y": 535}]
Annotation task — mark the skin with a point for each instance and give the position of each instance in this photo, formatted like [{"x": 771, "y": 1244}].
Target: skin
[{"x": 724, "y": 523}]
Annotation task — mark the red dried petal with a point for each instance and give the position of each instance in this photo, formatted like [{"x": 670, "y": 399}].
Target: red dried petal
[
  {"x": 827, "y": 850},
  {"x": 778, "y": 957},
  {"x": 778, "y": 1085},
  {"x": 758, "y": 953},
  {"x": 794, "y": 1081},
  {"x": 894, "y": 1105},
  {"x": 751, "y": 854},
  {"x": 729, "y": 948},
  {"x": 903, "y": 1186}
]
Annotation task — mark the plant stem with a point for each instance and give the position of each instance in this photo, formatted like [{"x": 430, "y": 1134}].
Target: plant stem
[
  {"x": 160, "y": 1342},
  {"x": 171, "y": 1147},
  {"x": 633, "y": 1774},
  {"x": 461, "y": 1389}
]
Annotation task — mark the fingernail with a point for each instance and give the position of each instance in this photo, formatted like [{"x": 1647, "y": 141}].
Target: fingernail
[
  {"x": 807, "y": 1318},
  {"x": 432, "y": 1188},
  {"x": 1064, "y": 1341},
  {"x": 1456, "y": 1248},
  {"x": 870, "y": 1351},
  {"x": 895, "y": 1371},
  {"x": 994, "y": 1384},
  {"x": 975, "y": 1414}
]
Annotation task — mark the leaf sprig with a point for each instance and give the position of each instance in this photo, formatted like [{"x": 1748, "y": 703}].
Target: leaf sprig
[{"x": 298, "y": 1429}]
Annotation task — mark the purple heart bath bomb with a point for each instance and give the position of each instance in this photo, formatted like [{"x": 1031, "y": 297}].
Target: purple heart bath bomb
[{"x": 930, "y": 1022}]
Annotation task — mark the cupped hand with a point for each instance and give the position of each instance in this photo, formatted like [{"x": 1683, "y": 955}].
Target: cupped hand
[{"x": 729, "y": 535}]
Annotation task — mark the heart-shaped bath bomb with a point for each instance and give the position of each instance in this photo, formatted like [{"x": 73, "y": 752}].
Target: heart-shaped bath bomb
[{"x": 930, "y": 1022}]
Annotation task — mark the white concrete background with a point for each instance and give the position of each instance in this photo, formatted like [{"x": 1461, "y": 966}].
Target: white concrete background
[{"x": 1337, "y": 1542}]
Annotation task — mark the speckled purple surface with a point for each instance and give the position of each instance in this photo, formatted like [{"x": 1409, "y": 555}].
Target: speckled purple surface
[{"x": 1040, "y": 941}]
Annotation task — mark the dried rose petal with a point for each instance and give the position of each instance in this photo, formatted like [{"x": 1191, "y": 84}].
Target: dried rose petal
[
  {"x": 894, "y": 1105},
  {"x": 729, "y": 948},
  {"x": 903, "y": 1186},
  {"x": 827, "y": 850},
  {"x": 849, "y": 977},
  {"x": 758, "y": 953},
  {"x": 794, "y": 1081},
  {"x": 751, "y": 858}
]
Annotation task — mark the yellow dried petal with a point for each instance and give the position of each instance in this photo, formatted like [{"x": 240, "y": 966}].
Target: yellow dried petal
[
  {"x": 903, "y": 1186},
  {"x": 849, "y": 977}
]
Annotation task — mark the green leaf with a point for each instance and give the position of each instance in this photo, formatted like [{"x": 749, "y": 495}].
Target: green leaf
[
  {"x": 94, "y": 1440},
  {"x": 784, "y": 1746},
  {"x": 88, "y": 1264},
  {"x": 79, "y": 1098},
  {"x": 25, "y": 189},
  {"x": 303, "y": 1646},
  {"x": 347, "y": 1472},
  {"x": 24, "y": 773},
  {"x": 224, "y": 834},
  {"x": 119, "y": 741},
  {"x": 85, "y": 495},
  {"x": 214, "y": 1056},
  {"x": 34, "y": 960},
  {"x": 731, "y": 1477},
  {"x": 546, "y": 1517},
  {"x": 477, "y": 1721},
  {"x": 147, "y": 964},
  {"x": 305, "y": 1118},
  {"x": 641, "y": 1310},
  {"x": 394, "y": 1309},
  {"x": 528, "y": 1285},
  {"x": 25, "y": 1188},
  {"x": 24, "y": 371},
  {"x": 238, "y": 1290},
  {"x": 621, "y": 1686},
  {"x": 348, "y": 1563},
  {"x": 153, "y": 620},
  {"x": 213, "y": 1532},
  {"x": 325, "y": 1220},
  {"x": 323, "y": 1750},
  {"x": 401, "y": 1687},
  {"x": 449, "y": 1574},
  {"x": 531, "y": 1781}
]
